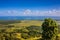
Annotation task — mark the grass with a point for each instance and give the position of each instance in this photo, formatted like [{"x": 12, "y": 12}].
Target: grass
[{"x": 21, "y": 24}]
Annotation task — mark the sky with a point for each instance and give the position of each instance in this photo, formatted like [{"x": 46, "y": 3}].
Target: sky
[{"x": 29, "y": 7}]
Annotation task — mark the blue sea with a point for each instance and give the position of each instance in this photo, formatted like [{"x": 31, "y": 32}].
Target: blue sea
[{"x": 28, "y": 17}]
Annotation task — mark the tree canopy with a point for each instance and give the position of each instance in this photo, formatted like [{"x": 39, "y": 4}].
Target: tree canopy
[{"x": 50, "y": 29}]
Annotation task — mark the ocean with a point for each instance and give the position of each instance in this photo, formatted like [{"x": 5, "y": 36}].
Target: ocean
[{"x": 28, "y": 17}]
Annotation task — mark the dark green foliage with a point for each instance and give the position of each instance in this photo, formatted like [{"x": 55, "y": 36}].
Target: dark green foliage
[
  {"x": 9, "y": 21},
  {"x": 34, "y": 31},
  {"x": 25, "y": 35},
  {"x": 57, "y": 38},
  {"x": 50, "y": 29},
  {"x": 34, "y": 28}
]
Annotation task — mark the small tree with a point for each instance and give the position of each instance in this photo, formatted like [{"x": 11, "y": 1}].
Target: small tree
[{"x": 50, "y": 29}]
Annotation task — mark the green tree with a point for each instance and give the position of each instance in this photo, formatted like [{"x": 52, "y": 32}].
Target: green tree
[{"x": 50, "y": 29}]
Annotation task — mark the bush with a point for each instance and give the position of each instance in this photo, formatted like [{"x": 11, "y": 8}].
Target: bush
[
  {"x": 25, "y": 35},
  {"x": 50, "y": 29}
]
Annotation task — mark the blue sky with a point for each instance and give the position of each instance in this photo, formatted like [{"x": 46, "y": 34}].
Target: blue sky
[{"x": 29, "y": 7}]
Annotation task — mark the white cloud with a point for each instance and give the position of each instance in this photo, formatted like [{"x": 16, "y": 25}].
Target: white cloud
[
  {"x": 9, "y": 11},
  {"x": 29, "y": 12}
]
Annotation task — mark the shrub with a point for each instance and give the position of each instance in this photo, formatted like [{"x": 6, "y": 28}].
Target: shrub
[{"x": 50, "y": 29}]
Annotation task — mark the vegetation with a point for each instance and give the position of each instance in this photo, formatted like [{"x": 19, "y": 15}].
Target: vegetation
[
  {"x": 50, "y": 29},
  {"x": 23, "y": 30}
]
